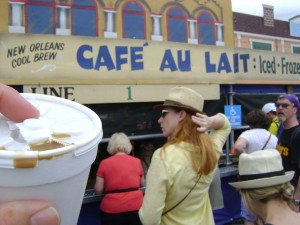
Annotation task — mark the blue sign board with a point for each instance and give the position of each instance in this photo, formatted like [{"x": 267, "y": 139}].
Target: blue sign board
[{"x": 234, "y": 115}]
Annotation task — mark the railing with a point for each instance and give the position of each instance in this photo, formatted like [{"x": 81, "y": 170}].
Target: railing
[
  {"x": 226, "y": 169},
  {"x": 138, "y": 137}
]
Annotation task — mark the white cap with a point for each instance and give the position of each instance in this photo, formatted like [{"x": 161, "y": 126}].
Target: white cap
[{"x": 269, "y": 107}]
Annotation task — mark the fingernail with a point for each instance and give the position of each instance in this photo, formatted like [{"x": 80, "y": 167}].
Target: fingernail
[{"x": 48, "y": 216}]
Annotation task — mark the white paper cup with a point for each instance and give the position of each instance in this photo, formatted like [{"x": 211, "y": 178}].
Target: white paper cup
[{"x": 58, "y": 175}]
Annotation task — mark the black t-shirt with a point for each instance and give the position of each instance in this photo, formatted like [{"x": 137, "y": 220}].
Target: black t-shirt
[{"x": 290, "y": 151}]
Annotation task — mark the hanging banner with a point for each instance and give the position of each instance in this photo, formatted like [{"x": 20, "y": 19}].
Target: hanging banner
[{"x": 54, "y": 59}]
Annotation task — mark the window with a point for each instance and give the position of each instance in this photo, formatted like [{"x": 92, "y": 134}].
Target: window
[
  {"x": 40, "y": 16},
  {"x": 295, "y": 49},
  {"x": 177, "y": 25},
  {"x": 54, "y": 17},
  {"x": 295, "y": 26},
  {"x": 84, "y": 14},
  {"x": 133, "y": 21},
  {"x": 261, "y": 45},
  {"x": 206, "y": 29}
]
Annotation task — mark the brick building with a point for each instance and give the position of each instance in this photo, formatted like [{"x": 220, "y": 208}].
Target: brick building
[{"x": 266, "y": 33}]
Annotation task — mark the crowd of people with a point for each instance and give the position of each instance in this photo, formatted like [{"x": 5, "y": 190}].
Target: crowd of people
[{"x": 180, "y": 173}]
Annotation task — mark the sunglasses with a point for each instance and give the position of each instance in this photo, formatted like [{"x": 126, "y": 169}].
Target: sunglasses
[
  {"x": 283, "y": 105},
  {"x": 164, "y": 112}
]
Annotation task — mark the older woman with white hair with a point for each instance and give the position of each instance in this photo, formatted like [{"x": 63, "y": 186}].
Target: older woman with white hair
[
  {"x": 265, "y": 188},
  {"x": 120, "y": 177}
]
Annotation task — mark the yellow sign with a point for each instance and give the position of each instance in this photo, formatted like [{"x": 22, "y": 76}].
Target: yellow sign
[
  {"x": 95, "y": 94},
  {"x": 52, "y": 59}
]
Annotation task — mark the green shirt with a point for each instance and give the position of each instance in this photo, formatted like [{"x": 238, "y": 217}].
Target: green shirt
[{"x": 274, "y": 126}]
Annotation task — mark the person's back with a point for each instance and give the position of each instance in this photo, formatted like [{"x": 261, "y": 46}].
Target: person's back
[
  {"x": 173, "y": 168},
  {"x": 181, "y": 171},
  {"x": 258, "y": 137},
  {"x": 179, "y": 179},
  {"x": 120, "y": 177},
  {"x": 121, "y": 172}
]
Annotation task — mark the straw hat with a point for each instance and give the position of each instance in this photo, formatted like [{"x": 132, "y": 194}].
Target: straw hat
[
  {"x": 262, "y": 168},
  {"x": 183, "y": 98}
]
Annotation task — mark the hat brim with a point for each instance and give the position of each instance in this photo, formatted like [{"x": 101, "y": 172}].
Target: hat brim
[
  {"x": 177, "y": 105},
  {"x": 263, "y": 182}
]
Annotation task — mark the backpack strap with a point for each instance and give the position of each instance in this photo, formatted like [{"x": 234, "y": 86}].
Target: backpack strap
[{"x": 267, "y": 142}]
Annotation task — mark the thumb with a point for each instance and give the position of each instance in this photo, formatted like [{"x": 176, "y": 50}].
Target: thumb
[{"x": 28, "y": 213}]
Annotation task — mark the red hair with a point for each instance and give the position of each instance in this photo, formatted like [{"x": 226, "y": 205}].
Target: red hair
[{"x": 203, "y": 156}]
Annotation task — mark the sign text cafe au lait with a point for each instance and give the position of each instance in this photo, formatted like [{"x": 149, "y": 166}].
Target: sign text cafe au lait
[{"x": 37, "y": 60}]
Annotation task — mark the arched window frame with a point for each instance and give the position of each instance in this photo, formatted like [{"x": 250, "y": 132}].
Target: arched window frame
[
  {"x": 210, "y": 22},
  {"x": 40, "y": 3},
  {"x": 126, "y": 12},
  {"x": 81, "y": 6},
  {"x": 183, "y": 17}
]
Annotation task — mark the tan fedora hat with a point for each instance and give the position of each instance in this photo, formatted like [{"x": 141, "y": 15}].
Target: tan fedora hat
[
  {"x": 262, "y": 168},
  {"x": 183, "y": 98}
]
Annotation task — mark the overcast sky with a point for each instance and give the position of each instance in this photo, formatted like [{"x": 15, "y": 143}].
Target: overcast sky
[{"x": 283, "y": 9}]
